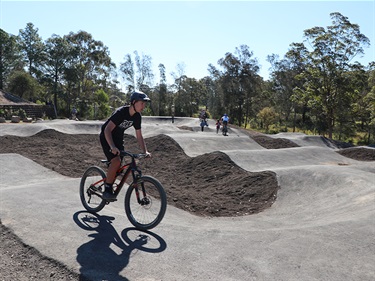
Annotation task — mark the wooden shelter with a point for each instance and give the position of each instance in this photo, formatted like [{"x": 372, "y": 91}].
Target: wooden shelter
[{"x": 12, "y": 104}]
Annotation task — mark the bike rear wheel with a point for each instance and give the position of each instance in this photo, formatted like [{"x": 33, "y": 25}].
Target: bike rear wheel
[
  {"x": 91, "y": 189},
  {"x": 225, "y": 130},
  {"x": 147, "y": 210}
]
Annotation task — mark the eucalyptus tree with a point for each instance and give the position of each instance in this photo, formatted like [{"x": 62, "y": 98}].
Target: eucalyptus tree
[
  {"x": 33, "y": 49},
  {"x": 364, "y": 107},
  {"x": 137, "y": 73},
  {"x": 178, "y": 78},
  {"x": 10, "y": 57},
  {"x": 232, "y": 94},
  {"x": 356, "y": 88},
  {"x": 239, "y": 82},
  {"x": 207, "y": 96},
  {"x": 164, "y": 107},
  {"x": 185, "y": 100},
  {"x": 216, "y": 104},
  {"x": 369, "y": 100},
  {"x": 144, "y": 66},
  {"x": 89, "y": 68},
  {"x": 332, "y": 50},
  {"x": 128, "y": 72},
  {"x": 282, "y": 78},
  {"x": 58, "y": 52},
  {"x": 285, "y": 81},
  {"x": 192, "y": 96},
  {"x": 198, "y": 94}
]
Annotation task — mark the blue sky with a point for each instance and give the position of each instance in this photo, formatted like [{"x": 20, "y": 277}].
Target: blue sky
[{"x": 195, "y": 33}]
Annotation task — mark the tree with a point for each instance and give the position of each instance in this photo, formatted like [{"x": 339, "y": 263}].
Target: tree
[
  {"x": 285, "y": 81},
  {"x": 33, "y": 48},
  {"x": 187, "y": 100},
  {"x": 162, "y": 93},
  {"x": 178, "y": 77},
  {"x": 267, "y": 116},
  {"x": 89, "y": 68},
  {"x": 137, "y": 73},
  {"x": 57, "y": 56},
  {"x": 209, "y": 95},
  {"x": 216, "y": 99},
  {"x": 364, "y": 107},
  {"x": 332, "y": 51},
  {"x": 128, "y": 72},
  {"x": 25, "y": 86},
  {"x": 239, "y": 82},
  {"x": 10, "y": 57},
  {"x": 101, "y": 100}
]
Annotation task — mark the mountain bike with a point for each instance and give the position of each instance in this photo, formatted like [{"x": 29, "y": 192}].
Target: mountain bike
[
  {"x": 145, "y": 199},
  {"x": 225, "y": 129}
]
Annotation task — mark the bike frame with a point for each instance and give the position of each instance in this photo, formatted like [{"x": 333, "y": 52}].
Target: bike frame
[{"x": 130, "y": 167}]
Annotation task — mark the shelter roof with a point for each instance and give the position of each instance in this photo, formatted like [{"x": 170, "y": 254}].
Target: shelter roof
[{"x": 9, "y": 99}]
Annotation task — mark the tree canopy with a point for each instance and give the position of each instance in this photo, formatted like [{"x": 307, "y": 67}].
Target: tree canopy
[{"x": 317, "y": 86}]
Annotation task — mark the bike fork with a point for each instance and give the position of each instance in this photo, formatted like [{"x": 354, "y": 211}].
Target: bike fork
[{"x": 138, "y": 194}]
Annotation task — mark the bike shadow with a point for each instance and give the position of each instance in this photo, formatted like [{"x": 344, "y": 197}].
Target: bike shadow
[{"x": 108, "y": 253}]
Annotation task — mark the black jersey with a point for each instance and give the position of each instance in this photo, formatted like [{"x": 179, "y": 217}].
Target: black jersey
[{"x": 122, "y": 119}]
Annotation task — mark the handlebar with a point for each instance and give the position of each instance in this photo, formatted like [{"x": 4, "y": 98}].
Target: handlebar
[{"x": 134, "y": 155}]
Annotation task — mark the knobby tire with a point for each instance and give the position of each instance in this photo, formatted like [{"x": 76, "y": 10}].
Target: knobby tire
[
  {"x": 149, "y": 215},
  {"x": 90, "y": 200}
]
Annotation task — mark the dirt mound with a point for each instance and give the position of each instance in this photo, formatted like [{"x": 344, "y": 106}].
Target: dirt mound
[
  {"x": 207, "y": 185},
  {"x": 359, "y": 153},
  {"x": 266, "y": 141},
  {"x": 187, "y": 128},
  {"x": 272, "y": 143},
  {"x": 210, "y": 184}
]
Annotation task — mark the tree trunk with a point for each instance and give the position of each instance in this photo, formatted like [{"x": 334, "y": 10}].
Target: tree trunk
[
  {"x": 55, "y": 92},
  {"x": 330, "y": 123}
]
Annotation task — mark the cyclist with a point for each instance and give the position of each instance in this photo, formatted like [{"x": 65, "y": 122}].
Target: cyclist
[
  {"x": 225, "y": 120},
  {"x": 203, "y": 119},
  {"x": 74, "y": 114},
  {"x": 203, "y": 115},
  {"x": 218, "y": 124},
  {"x": 112, "y": 136}
]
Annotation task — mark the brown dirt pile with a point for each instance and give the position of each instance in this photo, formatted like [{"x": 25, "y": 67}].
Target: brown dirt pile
[{"x": 207, "y": 185}]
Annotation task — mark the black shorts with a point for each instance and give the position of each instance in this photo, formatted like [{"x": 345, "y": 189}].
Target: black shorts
[{"x": 106, "y": 148}]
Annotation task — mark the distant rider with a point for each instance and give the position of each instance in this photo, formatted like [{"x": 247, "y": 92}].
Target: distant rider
[
  {"x": 225, "y": 120},
  {"x": 203, "y": 119},
  {"x": 218, "y": 124}
]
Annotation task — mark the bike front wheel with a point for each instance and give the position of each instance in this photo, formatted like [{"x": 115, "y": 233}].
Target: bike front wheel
[
  {"x": 145, "y": 203},
  {"x": 91, "y": 189}
]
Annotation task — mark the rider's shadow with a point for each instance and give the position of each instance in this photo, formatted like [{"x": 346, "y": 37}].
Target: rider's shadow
[{"x": 107, "y": 254}]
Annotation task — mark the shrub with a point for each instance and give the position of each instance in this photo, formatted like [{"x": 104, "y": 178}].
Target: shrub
[{"x": 21, "y": 113}]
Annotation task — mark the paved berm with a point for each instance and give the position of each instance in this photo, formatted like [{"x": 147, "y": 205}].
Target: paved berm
[{"x": 247, "y": 206}]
